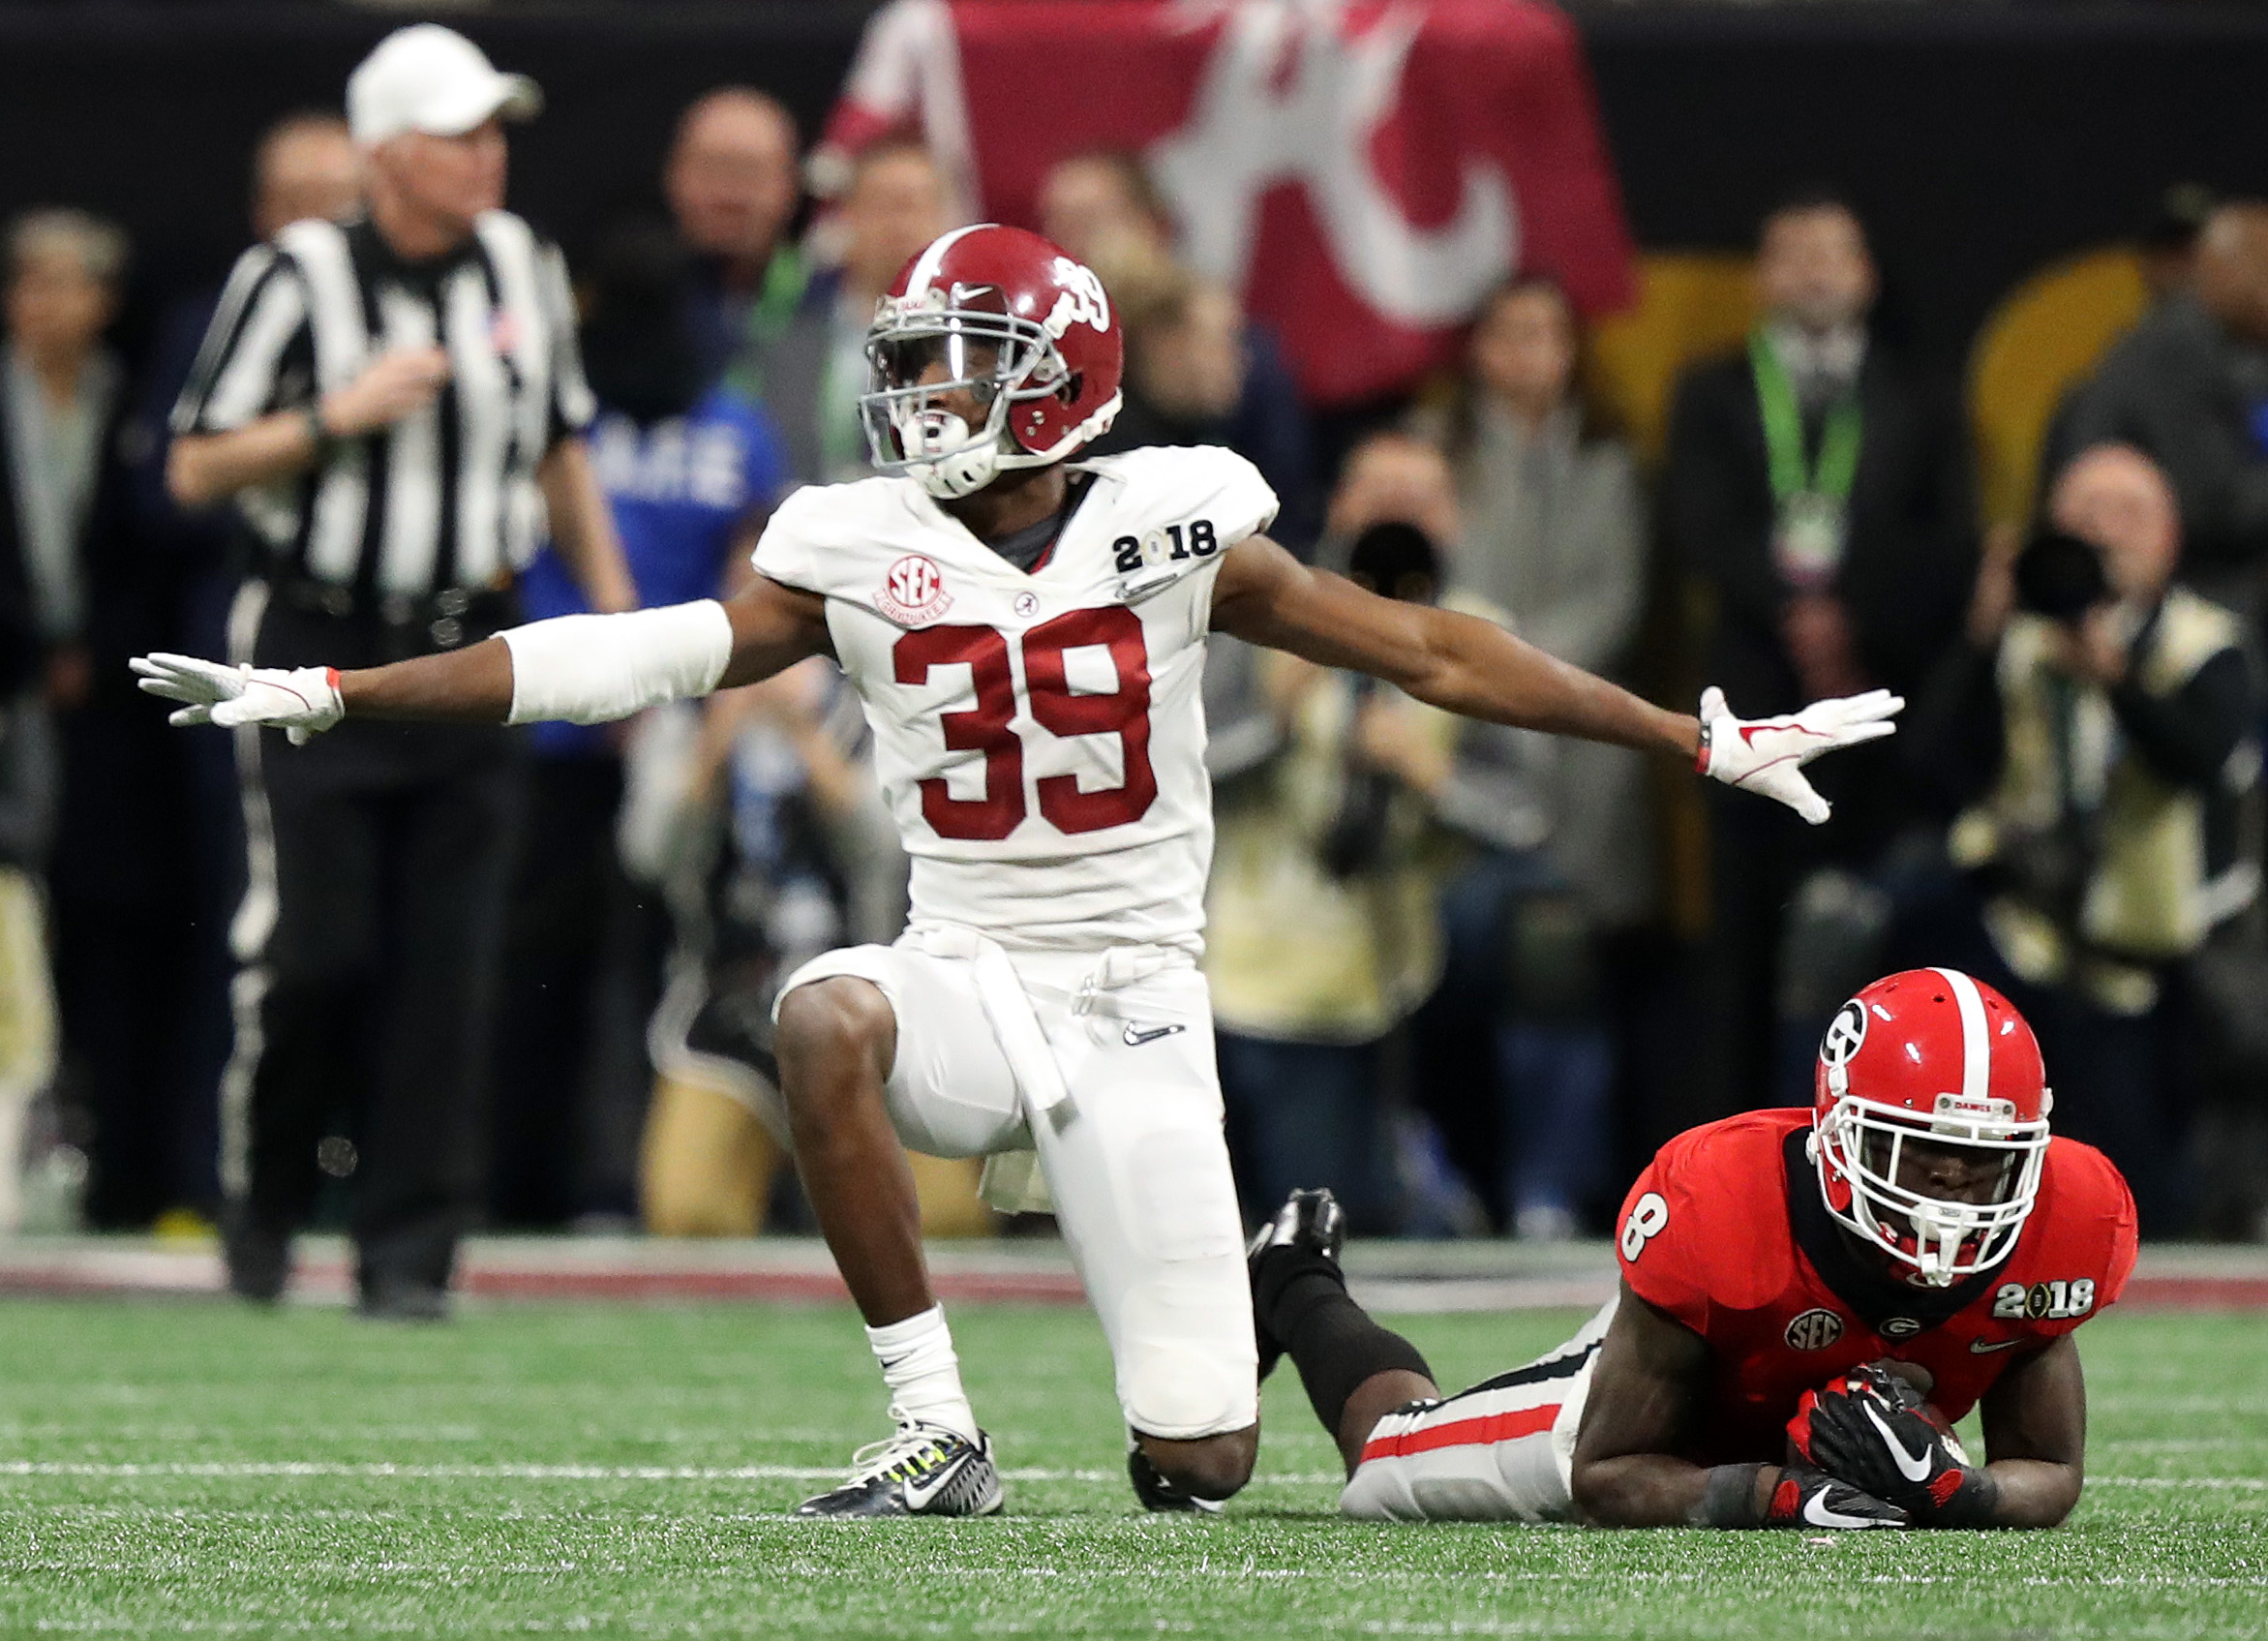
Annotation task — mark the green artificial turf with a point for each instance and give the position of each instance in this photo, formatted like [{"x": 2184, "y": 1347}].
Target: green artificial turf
[{"x": 195, "y": 1469}]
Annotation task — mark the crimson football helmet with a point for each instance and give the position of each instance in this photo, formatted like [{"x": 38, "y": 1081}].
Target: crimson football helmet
[
  {"x": 1932, "y": 1056},
  {"x": 1014, "y": 323}
]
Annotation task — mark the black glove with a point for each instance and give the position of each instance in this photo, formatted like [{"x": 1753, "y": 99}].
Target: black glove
[
  {"x": 1811, "y": 1498},
  {"x": 1870, "y": 1428}
]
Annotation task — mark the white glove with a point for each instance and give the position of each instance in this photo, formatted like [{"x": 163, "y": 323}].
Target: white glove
[
  {"x": 300, "y": 701},
  {"x": 1767, "y": 755}
]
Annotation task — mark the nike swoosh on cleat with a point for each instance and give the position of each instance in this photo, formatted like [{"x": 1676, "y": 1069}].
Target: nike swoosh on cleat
[
  {"x": 1136, "y": 1036},
  {"x": 919, "y": 1494},
  {"x": 1979, "y": 1346},
  {"x": 1817, "y": 1512},
  {"x": 1912, "y": 1467}
]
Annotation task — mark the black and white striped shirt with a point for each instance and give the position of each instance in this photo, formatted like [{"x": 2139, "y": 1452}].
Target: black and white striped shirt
[{"x": 445, "y": 499}]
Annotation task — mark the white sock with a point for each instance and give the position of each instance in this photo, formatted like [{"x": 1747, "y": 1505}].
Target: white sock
[{"x": 923, "y": 1373}]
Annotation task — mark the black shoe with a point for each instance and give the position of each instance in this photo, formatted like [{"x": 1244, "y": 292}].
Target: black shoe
[
  {"x": 398, "y": 1298},
  {"x": 1311, "y": 1221},
  {"x": 1159, "y": 1494},
  {"x": 922, "y": 1470},
  {"x": 259, "y": 1262}
]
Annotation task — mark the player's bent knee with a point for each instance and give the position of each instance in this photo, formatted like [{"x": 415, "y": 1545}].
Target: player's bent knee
[
  {"x": 829, "y": 1025},
  {"x": 1212, "y": 1466}
]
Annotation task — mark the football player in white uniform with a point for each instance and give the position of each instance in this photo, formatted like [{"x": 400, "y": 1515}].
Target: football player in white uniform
[{"x": 1026, "y": 632}]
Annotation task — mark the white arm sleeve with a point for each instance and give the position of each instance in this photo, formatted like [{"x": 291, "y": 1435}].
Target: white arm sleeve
[{"x": 591, "y": 669}]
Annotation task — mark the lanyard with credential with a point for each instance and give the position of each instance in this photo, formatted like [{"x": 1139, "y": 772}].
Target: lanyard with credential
[{"x": 1808, "y": 543}]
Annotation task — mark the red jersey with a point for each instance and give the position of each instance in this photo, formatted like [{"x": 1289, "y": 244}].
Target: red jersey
[{"x": 1727, "y": 1231}]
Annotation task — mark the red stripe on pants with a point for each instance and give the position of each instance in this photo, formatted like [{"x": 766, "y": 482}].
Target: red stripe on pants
[{"x": 1463, "y": 1433}]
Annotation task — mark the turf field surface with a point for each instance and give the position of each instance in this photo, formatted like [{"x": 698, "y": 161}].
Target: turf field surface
[{"x": 198, "y": 1469}]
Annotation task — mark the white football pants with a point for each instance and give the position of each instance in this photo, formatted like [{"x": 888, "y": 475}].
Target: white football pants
[
  {"x": 1114, "y": 1084},
  {"x": 1500, "y": 1451}
]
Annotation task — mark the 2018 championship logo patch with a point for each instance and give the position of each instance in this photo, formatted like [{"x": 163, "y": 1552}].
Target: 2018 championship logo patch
[{"x": 912, "y": 593}]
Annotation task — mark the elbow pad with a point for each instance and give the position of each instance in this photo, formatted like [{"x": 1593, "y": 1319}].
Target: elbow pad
[{"x": 592, "y": 669}]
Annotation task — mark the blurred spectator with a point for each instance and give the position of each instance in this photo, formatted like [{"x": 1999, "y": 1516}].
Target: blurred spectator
[
  {"x": 733, "y": 188},
  {"x": 116, "y": 879},
  {"x": 2168, "y": 244},
  {"x": 28, "y": 1043},
  {"x": 63, "y": 389},
  {"x": 2103, "y": 722},
  {"x": 2187, "y": 386},
  {"x": 1553, "y": 535},
  {"x": 305, "y": 166},
  {"x": 1197, "y": 371},
  {"x": 892, "y": 205},
  {"x": 690, "y": 470},
  {"x": 1821, "y": 497}
]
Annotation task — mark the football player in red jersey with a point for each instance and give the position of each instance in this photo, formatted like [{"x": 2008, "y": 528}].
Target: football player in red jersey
[{"x": 1808, "y": 1300}]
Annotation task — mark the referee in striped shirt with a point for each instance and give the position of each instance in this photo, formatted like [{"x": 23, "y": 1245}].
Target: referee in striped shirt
[{"x": 397, "y": 406}]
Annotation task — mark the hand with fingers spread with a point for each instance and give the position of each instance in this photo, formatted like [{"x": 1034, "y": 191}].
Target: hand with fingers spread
[
  {"x": 1767, "y": 755},
  {"x": 301, "y": 701}
]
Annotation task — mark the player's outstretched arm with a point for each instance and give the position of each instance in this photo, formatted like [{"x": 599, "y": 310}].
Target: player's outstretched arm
[
  {"x": 1476, "y": 668},
  {"x": 586, "y": 669},
  {"x": 1645, "y": 1392},
  {"x": 1456, "y": 661}
]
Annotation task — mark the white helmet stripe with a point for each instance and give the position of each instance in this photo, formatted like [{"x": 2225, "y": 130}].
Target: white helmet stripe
[
  {"x": 926, "y": 270},
  {"x": 1975, "y": 1036}
]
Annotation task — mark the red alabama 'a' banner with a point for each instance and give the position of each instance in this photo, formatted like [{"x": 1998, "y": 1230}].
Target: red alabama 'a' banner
[{"x": 1362, "y": 171}]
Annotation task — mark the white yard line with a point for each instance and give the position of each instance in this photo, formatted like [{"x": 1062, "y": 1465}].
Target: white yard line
[
  {"x": 224, "y": 1470},
  {"x": 323, "y": 1469}
]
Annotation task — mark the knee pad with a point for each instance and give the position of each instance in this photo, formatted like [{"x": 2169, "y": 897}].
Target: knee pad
[{"x": 1183, "y": 1395}]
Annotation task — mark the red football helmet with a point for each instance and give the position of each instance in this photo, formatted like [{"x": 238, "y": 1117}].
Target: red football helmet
[
  {"x": 1930, "y": 1055},
  {"x": 1014, "y": 323}
]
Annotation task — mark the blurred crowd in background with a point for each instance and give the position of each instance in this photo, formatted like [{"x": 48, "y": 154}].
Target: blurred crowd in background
[{"x": 1463, "y": 975}]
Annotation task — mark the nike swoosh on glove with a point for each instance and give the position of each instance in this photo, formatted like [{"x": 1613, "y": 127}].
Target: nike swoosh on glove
[
  {"x": 1767, "y": 755},
  {"x": 1869, "y": 1428},
  {"x": 1812, "y": 1497},
  {"x": 301, "y": 701}
]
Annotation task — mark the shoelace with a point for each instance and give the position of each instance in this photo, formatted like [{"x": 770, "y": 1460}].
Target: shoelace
[{"x": 899, "y": 1455}]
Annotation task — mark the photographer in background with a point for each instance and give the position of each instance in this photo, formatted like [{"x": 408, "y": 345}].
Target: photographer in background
[
  {"x": 1322, "y": 913},
  {"x": 1324, "y": 927},
  {"x": 2099, "y": 720}
]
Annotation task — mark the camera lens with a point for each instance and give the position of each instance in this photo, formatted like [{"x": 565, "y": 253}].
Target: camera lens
[{"x": 2060, "y": 576}]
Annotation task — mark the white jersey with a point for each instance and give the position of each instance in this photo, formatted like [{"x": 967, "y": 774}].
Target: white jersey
[{"x": 1040, "y": 737}]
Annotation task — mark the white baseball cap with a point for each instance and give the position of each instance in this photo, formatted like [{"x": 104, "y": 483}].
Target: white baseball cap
[{"x": 431, "y": 78}]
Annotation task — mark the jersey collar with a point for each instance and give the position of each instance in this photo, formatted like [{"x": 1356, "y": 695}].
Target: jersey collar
[{"x": 1872, "y": 1294}]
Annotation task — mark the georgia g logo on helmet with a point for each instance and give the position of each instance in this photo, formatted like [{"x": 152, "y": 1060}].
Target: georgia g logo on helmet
[
  {"x": 1845, "y": 1034},
  {"x": 998, "y": 320},
  {"x": 1934, "y": 1059}
]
